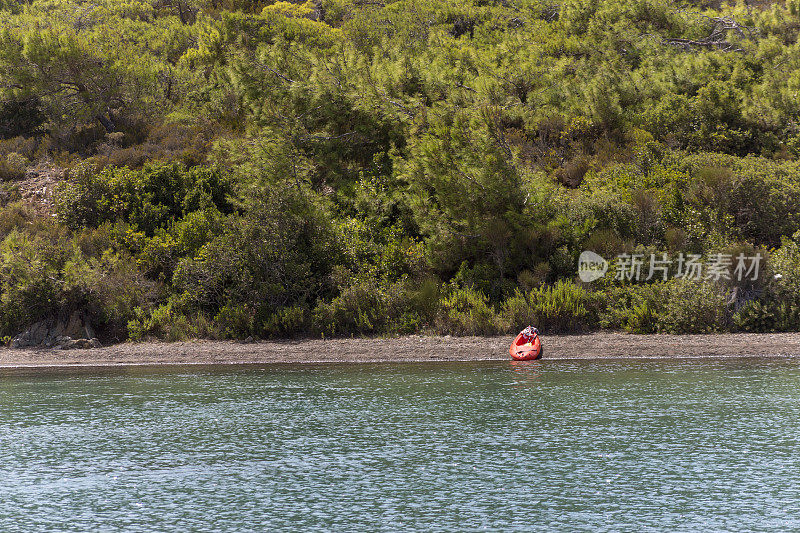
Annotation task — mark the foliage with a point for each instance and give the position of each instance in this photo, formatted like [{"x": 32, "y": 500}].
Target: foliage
[
  {"x": 152, "y": 197},
  {"x": 277, "y": 255},
  {"x": 562, "y": 307},
  {"x": 20, "y": 116},
  {"x": 164, "y": 322},
  {"x": 360, "y": 309},
  {"x": 339, "y": 167},
  {"x": 466, "y": 311},
  {"x": 762, "y": 317},
  {"x": 634, "y": 308},
  {"x": 692, "y": 307},
  {"x": 47, "y": 275}
]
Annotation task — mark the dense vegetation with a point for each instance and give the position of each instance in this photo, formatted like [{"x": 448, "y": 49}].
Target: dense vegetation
[{"x": 242, "y": 168}]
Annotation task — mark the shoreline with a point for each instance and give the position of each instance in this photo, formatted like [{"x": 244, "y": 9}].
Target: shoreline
[{"x": 412, "y": 348}]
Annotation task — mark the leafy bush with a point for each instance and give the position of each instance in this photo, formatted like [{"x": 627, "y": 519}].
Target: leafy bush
[
  {"x": 278, "y": 255},
  {"x": 43, "y": 277},
  {"x": 466, "y": 311},
  {"x": 762, "y": 317},
  {"x": 634, "y": 308},
  {"x": 165, "y": 322},
  {"x": 13, "y": 167},
  {"x": 360, "y": 309},
  {"x": 147, "y": 199},
  {"x": 642, "y": 319},
  {"x": 112, "y": 288},
  {"x": 693, "y": 307},
  {"x": 285, "y": 322},
  {"x": 22, "y": 116},
  {"x": 15, "y": 216},
  {"x": 234, "y": 322},
  {"x": 558, "y": 308},
  {"x": 784, "y": 283},
  {"x": 29, "y": 285},
  {"x": 423, "y": 301}
]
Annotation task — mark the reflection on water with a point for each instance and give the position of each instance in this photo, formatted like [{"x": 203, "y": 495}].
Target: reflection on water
[
  {"x": 526, "y": 373},
  {"x": 636, "y": 445}
]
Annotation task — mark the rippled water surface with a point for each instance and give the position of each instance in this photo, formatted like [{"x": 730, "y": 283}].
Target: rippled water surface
[{"x": 613, "y": 445}]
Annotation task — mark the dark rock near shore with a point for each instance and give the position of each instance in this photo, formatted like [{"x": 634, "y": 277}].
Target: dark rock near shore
[{"x": 63, "y": 334}]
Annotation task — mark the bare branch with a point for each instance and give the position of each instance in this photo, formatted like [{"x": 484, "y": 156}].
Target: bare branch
[
  {"x": 716, "y": 38},
  {"x": 462, "y": 86},
  {"x": 471, "y": 179},
  {"x": 326, "y": 137},
  {"x": 278, "y": 74}
]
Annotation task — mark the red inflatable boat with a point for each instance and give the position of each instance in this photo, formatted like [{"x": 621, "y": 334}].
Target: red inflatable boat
[{"x": 526, "y": 346}]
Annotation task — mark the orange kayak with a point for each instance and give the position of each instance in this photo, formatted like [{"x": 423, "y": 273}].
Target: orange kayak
[{"x": 525, "y": 349}]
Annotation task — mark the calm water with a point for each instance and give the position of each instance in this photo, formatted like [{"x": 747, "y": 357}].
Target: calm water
[{"x": 596, "y": 446}]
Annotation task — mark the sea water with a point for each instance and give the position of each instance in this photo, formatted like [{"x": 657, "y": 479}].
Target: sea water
[{"x": 551, "y": 445}]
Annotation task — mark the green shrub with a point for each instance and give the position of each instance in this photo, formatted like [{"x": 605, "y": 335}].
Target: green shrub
[
  {"x": 13, "y": 167},
  {"x": 762, "y": 317},
  {"x": 113, "y": 289},
  {"x": 407, "y": 323},
  {"x": 166, "y": 323},
  {"x": 234, "y": 322},
  {"x": 634, "y": 308},
  {"x": 44, "y": 276},
  {"x": 754, "y": 316},
  {"x": 20, "y": 116},
  {"x": 278, "y": 255},
  {"x": 150, "y": 198},
  {"x": 196, "y": 229},
  {"x": 693, "y": 307},
  {"x": 641, "y": 319},
  {"x": 466, "y": 312},
  {"x": 30, "y": 287},
  {"x": 16, "y": 215},
  {"x": 368, "y": 307},
  {"x": 158, "y": 257},
  {"x": 562, "y": 307},
  {"x": 360, "y": 309},
  {"x": 784, "y": 282},
  {"x": 284, "y": 322},
  {"x": 424, "y": 299}
]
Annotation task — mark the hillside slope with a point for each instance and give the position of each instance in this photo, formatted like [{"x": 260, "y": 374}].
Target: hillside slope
[{"x": 233, "y": 168}]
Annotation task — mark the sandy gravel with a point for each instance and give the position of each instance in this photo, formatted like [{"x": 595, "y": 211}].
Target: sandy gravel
[{"x": 414, "y": 348}]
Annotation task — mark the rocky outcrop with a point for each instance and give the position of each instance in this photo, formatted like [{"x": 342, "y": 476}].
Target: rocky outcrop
[
  {"x": 63, "y": 334},
  {"x": 39, "y": 184}
]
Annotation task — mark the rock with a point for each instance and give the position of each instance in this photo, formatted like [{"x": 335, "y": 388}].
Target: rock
[
  {"x": 72, "y": 344},
  {"x": 74, "y": 326},
  {"x": 59, "y": 334},
  {"x": 61, "y": 341},
  {"x": 58, "y": 330},
  {"x": 38, "y": 333}
]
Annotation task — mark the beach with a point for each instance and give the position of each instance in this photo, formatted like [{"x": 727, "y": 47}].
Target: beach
[{"x": 412, "y": 348}]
